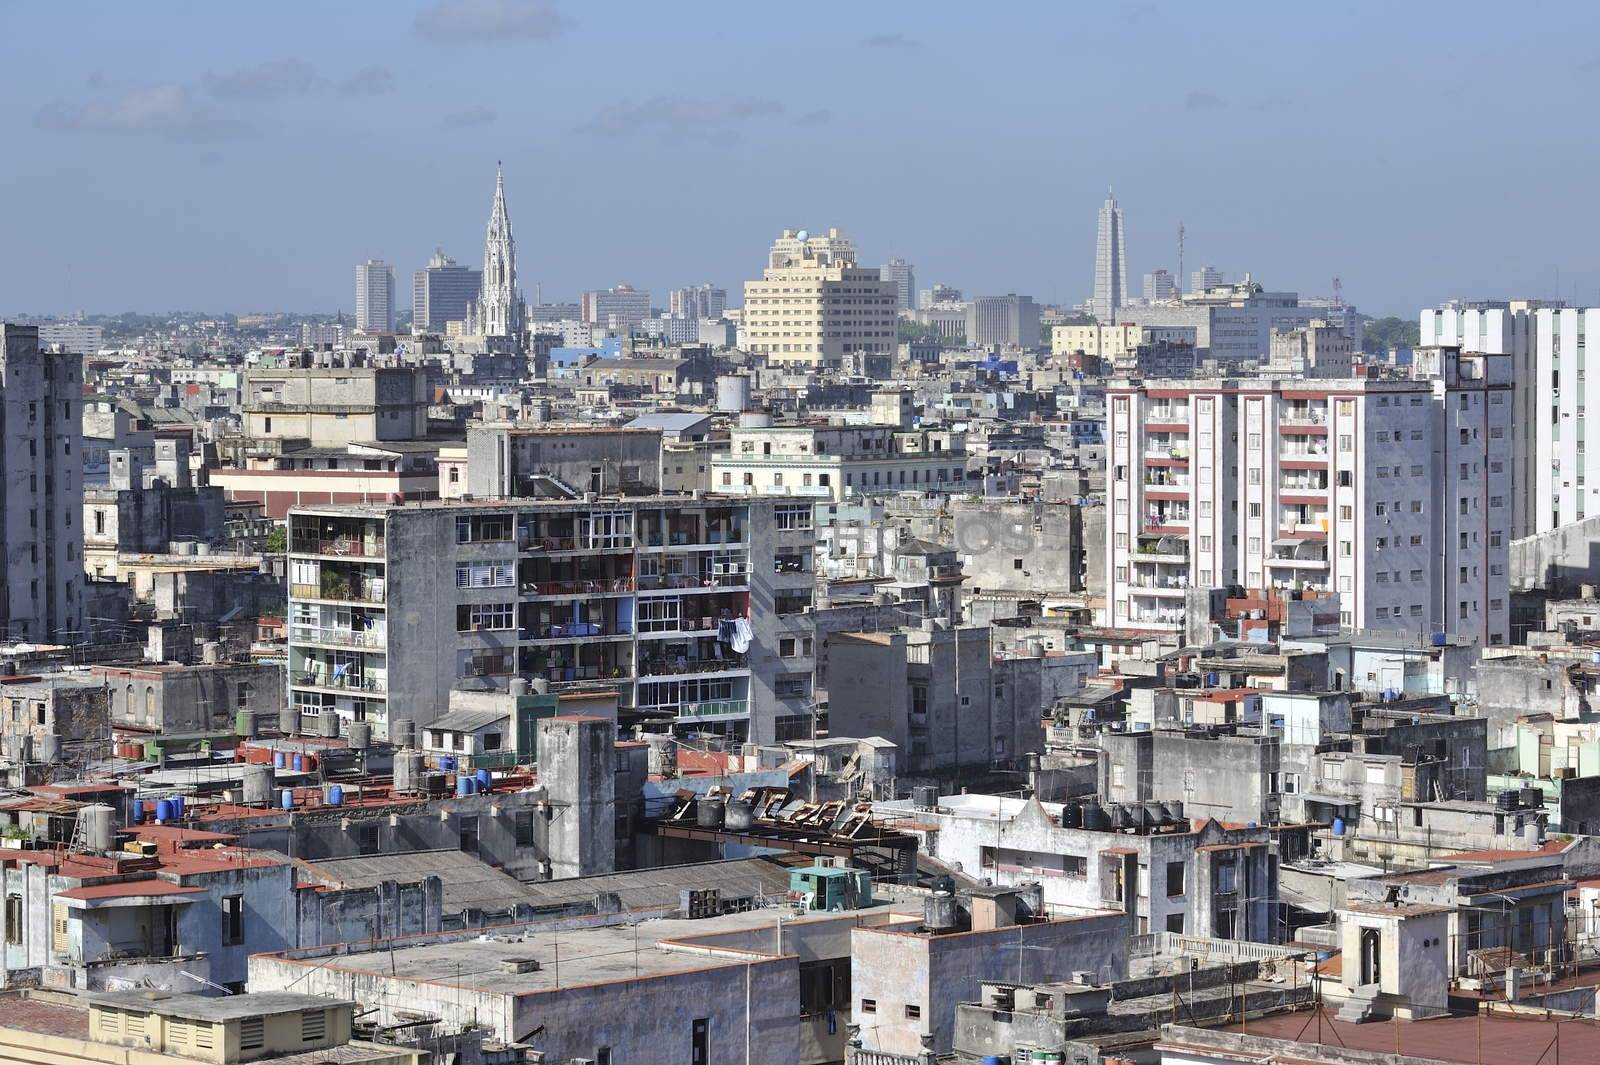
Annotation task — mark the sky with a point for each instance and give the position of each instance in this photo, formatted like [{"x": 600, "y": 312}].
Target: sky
[{"x": 245, "y": 156}]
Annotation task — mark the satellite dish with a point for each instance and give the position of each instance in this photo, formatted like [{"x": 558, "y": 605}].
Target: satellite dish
[{"x": 802, "y": 235}]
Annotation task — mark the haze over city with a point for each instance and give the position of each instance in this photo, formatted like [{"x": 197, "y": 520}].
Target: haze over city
[{"x": 234, "y": 157}]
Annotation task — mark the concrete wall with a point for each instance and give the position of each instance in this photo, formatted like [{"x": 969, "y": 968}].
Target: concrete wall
[{"x": 577, "y": 767}]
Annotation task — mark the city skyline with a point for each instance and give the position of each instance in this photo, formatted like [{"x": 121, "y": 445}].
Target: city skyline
[{"x": 187, "y": 130}]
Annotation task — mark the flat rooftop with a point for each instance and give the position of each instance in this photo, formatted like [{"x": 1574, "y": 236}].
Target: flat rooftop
[
  {"x": 569, "y": 958},
  {"x": 1506, "y": 1040}
]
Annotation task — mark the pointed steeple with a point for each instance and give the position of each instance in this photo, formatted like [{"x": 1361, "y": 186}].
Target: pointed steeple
[{"x": 499, "y": 311}]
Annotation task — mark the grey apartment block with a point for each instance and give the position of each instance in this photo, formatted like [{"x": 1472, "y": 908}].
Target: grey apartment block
[
  {"x": 41, "y": 497},
  {"x": 392, "y": 607},
  {"x": 505, "y": 461}
]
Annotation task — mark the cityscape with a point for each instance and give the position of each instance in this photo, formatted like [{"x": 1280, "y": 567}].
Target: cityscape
[{"x": 691, "y": 621}]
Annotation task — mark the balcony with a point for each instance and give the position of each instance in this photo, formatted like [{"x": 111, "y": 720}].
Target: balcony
[
  {"x": 692, "y": 582},
  {"x": 340, "y": 546},
  {"x": 1170, "y": 547},
  {"x": 1165, "y": 452},
  {"x": 582, "y": 630},
  {"x": 1172, "y": 482},
  {"x": 372, "y": 593},
  {"x": 327, "y": 680},
  {"x": 596, "y": 586},
  {"x": 1303, "y": 453},
  {"x": 336, "y": 637},
  {"x": 1168, "y": 414},
  {"x": 663, "y": 667},
  {"x": 717, "y": 708},
  {"x": 1303, "y": 416}
]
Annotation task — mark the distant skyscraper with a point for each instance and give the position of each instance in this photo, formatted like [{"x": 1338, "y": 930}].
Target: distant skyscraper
[
  {"x": 814, "y": 305},
  {"x": 1204, "y": 278},
  {"x": 71, "y": 336},
  {"x": 932, "y": 297},
  {"x": 498, "y": 311},
  {"x": 1110, "y": 264},
  {"x": 904, "y": 276},
  {"x": 698, "y": 301},
  {"x": 41, "y": 521},
  {"x": 374, "y": 297},
  {"x": 619, "y": 308},
  {"x": 442, "y": 293},
  {"x": 1159, "y": 286},
  {"x": 1003, "y": 321}
]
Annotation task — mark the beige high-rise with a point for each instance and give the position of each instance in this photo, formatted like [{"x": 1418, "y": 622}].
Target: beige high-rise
[{"x": 814, "y": 305}]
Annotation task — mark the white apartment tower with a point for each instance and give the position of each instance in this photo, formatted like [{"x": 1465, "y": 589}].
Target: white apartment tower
[
  {"x": 374, "y": 297},
  {"x": 499, "y": 310},
  {"x": 1110, "y": 264},
  {"x": 41, "y": 503},
  {"x": 903, "y": 274},
  {"x": 814, "y": 305},
  {"x": 1555, "y": 476},
  {"x": 1391, "y": 494},
  {"x": 1159, "y": 287}
]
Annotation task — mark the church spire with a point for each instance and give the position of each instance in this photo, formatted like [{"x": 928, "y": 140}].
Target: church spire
[{"x": 499, "y": 308}]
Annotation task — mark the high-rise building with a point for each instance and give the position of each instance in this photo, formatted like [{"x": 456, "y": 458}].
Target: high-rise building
[
  {"x": 41, "y": 510},
  {"x": 904, "y": 276},
  {"x": 697, "y": 302},
  {"x": 499, "y": 310},
  {"x": 1159, "y": 287},
  {"x": 813, "y": 304},
  {"x": 618, "y": 309},
  {"x": 392, "y": 607},
  {"x": 1207, "y": 277},
  {"x": 71, "y": 336},
  {"x": 1233, "y": 323},
  {"x": 1009, "y": 321},
  {"x": 1555, "y": 479},
  {"x": 374, "y": 297},
  {"x": 1392, "y": 495},
  {"x": 1110, "y": 264},
  {"x": 441, "y": 293},
  {"x": 929, "y": 298}
]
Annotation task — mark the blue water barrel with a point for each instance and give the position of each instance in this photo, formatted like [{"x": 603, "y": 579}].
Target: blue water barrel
[
  {"x": 278, "y": 761},
  {"x": 991, "y": 1059},
  {"x": 177, "y": 806},
  {"x": 466, "y": 785},
  {"x": 447, "y": 764},
  {"x": 163, "y": 810},
  {"x": 286, "y": 799},
  {"x": 138, "y": 810},
  {"x": 484, "y": 780},
  {"x": 335, "y": 795},
  {"x": 1338, "y": 826},
  {"x": 299, "y": 763}
]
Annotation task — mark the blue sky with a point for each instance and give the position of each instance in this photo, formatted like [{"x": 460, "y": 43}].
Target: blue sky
[{"x": 233, "y": 156}]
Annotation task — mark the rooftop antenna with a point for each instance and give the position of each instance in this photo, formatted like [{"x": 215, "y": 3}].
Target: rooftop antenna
[{"x": 1180, "y": 258}]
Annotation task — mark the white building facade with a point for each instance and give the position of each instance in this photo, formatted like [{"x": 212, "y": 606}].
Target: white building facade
[
  {"x": 814, "y": 305},
  {"x": 1392, "y": 495},
  {"x": 1555, "y": 478},
  {"x": 374, "y": 297}
]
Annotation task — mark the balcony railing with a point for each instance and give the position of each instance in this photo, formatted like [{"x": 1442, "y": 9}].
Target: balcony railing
[
  {"x": 579, "y": 631},
  {"x": 343, "y": 682},
  {"x": 343, "y": 546},
  {"x": 718, "y": 708},
  {"x": 689, "y": 580},
  {"x": 661, "y": 667},
  {"x": 1303, "y": 453},
  {"x": 1169, "y": 482},
  {"x": 1304, "y": 417},
  {"x": 1168, "y": 414},
  {"x": 343, "y": 593},
  {"x": 601, "y": 586},
  {"x": 1166, "y": 452},
  {"x": 346, "y": 637}
]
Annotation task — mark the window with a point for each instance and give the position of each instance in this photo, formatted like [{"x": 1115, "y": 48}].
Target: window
[
  {"x": 524, "y": 828},
  {"x": 913, "y": 1013},
  {"x": 485, "y": 616},
  {"x": 367, "y": 839},
  {"x": 786, "y": 647},
  {"x": 13, "y": 918},
  {"x": 1174, "y": 879},
  {"x": 232, "y": 920},
  {"x": 869, "y": 1005},
  {"x": 485, "y": 575},
  {"x": 790, "y": 516},
  {"x": 468, "y": 834},
  {"x": 700, "y": 1041}
]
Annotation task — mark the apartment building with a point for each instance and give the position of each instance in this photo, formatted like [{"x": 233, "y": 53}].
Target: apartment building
[
  {"x": 1111, "y": 342},
  {"x": 41, "y": 498},
  {"x": 813, "y": 304},
  {"x": 331, "y": 405},
  {"x": 1555, "y": 480},
  {"x": 675, "y": 603},
  {"x": 834, "y": 462},
  {"x": 1391, "y": 494}
]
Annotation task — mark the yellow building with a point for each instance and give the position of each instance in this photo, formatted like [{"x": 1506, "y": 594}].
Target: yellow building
[{"x": 814, "y": 305}]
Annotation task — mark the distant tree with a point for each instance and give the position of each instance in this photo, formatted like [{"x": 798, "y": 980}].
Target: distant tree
[
  {"x": 278, "y": 540},
  {"x": 1381, "y": 334}
]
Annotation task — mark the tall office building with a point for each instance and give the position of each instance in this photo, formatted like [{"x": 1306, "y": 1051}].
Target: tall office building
[
  {"x": 1392, "y": 495},
  {"x": 374, "y": 297},
  {"x": 444, "y": 292},
  {"x": 41, "y": 507},
  {"x": 1110, "y": 264},
  {"x": 618, "y": 309},
  {"x": 1009, "y": 321},
  {"x": 698, "y": 302},
  {"x": 1207, "y": 277},
  {"x": 71, "y": 336},
  {"x": 1159, "y": 287},
  {"x": 814, "y": 305},
  {"x": 499, "y": 310},
  {"x": 904, "y": 276},
  {"x": 1555, "y": 479}
]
